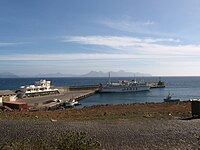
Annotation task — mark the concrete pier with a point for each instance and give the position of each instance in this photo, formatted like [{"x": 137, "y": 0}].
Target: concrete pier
[{"x": 66, "y": 94}]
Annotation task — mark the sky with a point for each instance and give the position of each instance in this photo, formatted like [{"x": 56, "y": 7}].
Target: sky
[{"x": 156, "y": 37}]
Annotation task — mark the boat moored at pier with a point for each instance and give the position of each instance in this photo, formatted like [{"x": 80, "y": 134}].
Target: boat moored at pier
[
  {"x": 124, "y": 86},
  {"x": 40, "y": 88},
  {"x": 159, "y": 84}
]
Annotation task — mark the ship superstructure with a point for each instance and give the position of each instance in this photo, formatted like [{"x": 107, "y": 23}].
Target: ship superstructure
[
  {"x": 124, "y": 86},
  {"x": 40, "y": 88}
]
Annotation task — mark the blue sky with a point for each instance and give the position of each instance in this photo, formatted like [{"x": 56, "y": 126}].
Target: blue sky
[{"x": 76, "y": 36}]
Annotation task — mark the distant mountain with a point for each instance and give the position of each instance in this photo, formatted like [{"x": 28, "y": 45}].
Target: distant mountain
[
  {"x": 120, "y": 73},
  {"x": 8, "y": 75},
  {"x": 54, "y": 75},
  {"x": 95, "y": 74}
]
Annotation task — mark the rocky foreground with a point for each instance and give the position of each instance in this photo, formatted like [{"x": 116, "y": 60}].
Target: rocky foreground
[{"x": 136, "y": 126}]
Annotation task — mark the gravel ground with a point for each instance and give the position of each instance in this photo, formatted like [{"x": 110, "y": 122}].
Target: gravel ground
[{"x": 113, "y": 134}]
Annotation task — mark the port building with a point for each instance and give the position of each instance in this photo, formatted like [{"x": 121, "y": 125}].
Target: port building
[{"x": 7, "y": 96}]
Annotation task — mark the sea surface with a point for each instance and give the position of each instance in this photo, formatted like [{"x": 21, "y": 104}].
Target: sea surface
[{"x": 184, "y": 88}]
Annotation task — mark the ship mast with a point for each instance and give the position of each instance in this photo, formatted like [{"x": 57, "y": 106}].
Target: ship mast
[
  {"x": 135, "y": 79},
  {"x": 109, "y": 78}
]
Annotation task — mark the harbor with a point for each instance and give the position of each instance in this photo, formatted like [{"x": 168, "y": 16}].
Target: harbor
[
  {"x": 42, "y": 95},
  {"x": 104, "y": 119},
  {"x": 46, "y": 96}
]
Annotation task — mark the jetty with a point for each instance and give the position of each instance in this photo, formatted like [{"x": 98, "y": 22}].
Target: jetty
[{"x": 67, "y": 93}]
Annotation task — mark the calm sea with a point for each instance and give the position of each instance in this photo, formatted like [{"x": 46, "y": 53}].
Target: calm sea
[{"x": 180, "y": 87}]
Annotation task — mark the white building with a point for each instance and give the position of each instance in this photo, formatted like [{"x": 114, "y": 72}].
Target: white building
[{"x": 7, "y": 96}]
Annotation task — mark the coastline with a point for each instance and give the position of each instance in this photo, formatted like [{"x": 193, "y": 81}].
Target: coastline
[
  {"x": 124, "y": 126},
  {"x": 171, "y": 110}
]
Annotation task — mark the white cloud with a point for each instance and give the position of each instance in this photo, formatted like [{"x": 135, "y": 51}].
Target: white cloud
[
  {"x": 97, "y": 56},
  {"x": 116, "y": 42},
  {"x": 6, "y": 44},
  {"x": 2, "y": 44},
  {"x": 157, "y": 55},
  {"x": 111, "y": 41},
  {"x": 151, "y": 40},
  {"x": 60, "y": 57},
  {"x": 125, "y": 48},
  {"x": 156, "y": 65},
  {"x": 138, "y": 46},
  {"x": 129, "y": 25}
]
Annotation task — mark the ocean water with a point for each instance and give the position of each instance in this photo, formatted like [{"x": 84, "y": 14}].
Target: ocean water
[{"x": 180, "y": 87}]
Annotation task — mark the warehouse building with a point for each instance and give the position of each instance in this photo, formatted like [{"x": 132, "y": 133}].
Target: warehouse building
[{"x": 7, "y": 96}]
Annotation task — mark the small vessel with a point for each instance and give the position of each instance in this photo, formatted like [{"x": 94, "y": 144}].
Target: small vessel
[
  {"x": 124, "y": 86},
  {"x": 57, "y": 100},
  {"x": 159, "y": 84},
  {"x": 169, "y": 99},
  {"x": 71, "y": 103}
]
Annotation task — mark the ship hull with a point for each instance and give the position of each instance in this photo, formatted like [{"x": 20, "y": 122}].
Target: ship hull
[{"x": 124, "y": 89}]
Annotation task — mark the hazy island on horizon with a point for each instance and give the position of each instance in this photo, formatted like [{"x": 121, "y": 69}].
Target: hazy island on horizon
[{"x": 120, "y": 73}]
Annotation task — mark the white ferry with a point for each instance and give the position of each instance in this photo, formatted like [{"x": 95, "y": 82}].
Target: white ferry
[
  {"x": 124, "y": 86},
  {"x": 40, "y": 88}
]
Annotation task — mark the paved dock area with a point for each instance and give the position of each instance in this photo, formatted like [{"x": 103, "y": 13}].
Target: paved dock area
[{"x": 40, "y": 100}]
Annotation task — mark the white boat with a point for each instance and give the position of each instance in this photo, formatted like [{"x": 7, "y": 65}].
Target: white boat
[
  {"x": 40, "y": 88},
  {"x": 124, "y": 86},
  {"x": 57, "y": 100},
  {"x": 72, "y": 103}
]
